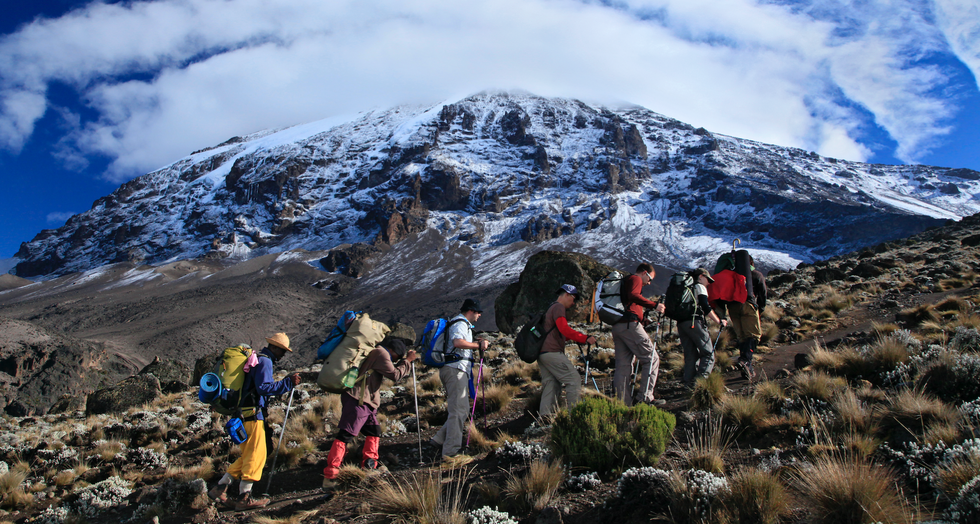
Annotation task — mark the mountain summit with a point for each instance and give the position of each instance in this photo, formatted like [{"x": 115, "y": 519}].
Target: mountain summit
[{"x": 498, "y": 168}]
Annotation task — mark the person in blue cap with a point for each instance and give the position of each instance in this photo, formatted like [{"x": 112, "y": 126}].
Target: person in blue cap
[
  {"x": 557, "y": 371},
  {"x": 457, "y": 377}
]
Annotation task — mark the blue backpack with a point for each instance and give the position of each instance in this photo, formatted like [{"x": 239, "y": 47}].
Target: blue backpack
[
  {"x": 436, "y": 351},
  {"x": 336, "y": 335}
]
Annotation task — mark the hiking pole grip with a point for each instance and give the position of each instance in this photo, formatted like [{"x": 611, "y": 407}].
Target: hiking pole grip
[{"x": 282, "y": 433}]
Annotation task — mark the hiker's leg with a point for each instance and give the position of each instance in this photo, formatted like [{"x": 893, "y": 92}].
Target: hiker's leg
[
  {"x": 565, "y": 375},
  {"x": 457, "y": 404},
  {"x": 702, "y": 343},
  {"x": 253, "y": 454},
  {"x": 549, "y": 385},
  {"x": 639, "y": 344},
  {"x": 624, "y": 365},
  {"x": 336, "y": 456},
  {"x": 690, "y": 352},
  {"x": 372, "y": 441}
]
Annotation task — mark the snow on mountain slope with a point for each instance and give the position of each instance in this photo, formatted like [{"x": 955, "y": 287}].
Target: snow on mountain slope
[{"x": 495, "y": 169}]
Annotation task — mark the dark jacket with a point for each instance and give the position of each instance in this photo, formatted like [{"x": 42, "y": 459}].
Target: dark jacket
[
  {"x": 759, "y": 289},
  {"x": 262, "y": 383}
]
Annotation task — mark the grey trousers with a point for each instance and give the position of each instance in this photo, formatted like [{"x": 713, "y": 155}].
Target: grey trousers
[
  {"x": 450, "y": 435},
  {"x": 631, "y": 340},
  {"x": 699, "y": 356},
  {"x": 557, "y": 372}
]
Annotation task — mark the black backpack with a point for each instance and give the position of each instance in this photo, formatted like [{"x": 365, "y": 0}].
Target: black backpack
[
  {"x": 679, "y": 300},
  {"x": 531, "y": 337}
]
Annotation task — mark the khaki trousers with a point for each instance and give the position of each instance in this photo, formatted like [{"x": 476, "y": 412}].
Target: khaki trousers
[
  {"x": 557, "y": 372},
  {"x": 450, "y": 435},
  {"x": 631, "y": 342},
  {"x": 745, "y": 321}
]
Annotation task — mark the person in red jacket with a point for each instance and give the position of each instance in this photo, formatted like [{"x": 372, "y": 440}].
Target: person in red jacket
[
  {"x": 632, "y": 341},
  {"x": 359, "y": 406},
  {"x": 556, "y": 370}
]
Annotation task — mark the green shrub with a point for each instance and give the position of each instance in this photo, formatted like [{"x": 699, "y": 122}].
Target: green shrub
[{"x": 603, "y": 435}]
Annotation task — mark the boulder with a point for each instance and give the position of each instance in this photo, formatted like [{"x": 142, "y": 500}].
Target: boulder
[
  {"x": 132, "y": 392},
  {"x": 402, "y": 331},
  {"x": 68, "y": 404},
  {"x": 174, "y": 375},
  {"x": 204, "y": 365},
  {"x": 537, "y": 288},
  {"x": 867, "y": 270},
  {"x": 828, "y": 274},
  {"x": 353, "y": 260}
]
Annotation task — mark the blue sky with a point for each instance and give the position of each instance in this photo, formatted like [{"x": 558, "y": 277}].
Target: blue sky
[{"x": 96, "y": 93}]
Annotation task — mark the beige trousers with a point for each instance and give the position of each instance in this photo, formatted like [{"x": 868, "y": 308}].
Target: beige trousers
[
  {"x": 450, "y": 435},
  {"x": 631, "y": 342},
  {"x": 557, "y": 372}
]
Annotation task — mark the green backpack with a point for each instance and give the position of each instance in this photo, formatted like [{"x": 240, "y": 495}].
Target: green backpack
[{"x": 679, "y": 300}]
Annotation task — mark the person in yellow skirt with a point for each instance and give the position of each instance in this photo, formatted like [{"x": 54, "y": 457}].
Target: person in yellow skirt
[{"x": 260, "y": 386}]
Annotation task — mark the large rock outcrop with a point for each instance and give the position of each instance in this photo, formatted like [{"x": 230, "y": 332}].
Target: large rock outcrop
[{"x": 538, "y": 286}]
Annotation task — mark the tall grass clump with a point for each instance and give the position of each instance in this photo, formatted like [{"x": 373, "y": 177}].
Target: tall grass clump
[
  {"x": 708, "y": 391},
  {"x": 422, "y": 498},
  {"x": 707, "y": 443},
  {"x": 743, "y": 413},
  {"x": 846, "y": 491},
  {"x": 756, "y": 497},
  {"x": 602, "y": 434},
  {"x": 534, "y": 490}
]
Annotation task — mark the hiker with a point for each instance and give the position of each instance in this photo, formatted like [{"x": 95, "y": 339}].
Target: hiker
[
  {"x": 632, "y": 341},
  {"x": 728, "y": 295},
  {"x": 699, "y": 355},
  {"x": 360, "y": 406},
  {"x": 248, "y": 468},
  {"x": 457, "y": 378},
  {"x": 556, "y": 370}
]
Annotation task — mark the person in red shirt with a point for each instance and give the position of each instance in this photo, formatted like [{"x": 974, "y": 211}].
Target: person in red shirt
[
  {"x": 632, "y": 341},
  {"x": 556, "y": 370}
]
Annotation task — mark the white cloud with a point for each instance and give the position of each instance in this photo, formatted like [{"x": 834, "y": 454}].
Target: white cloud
[
  {"x": 171, "y": 76},
  {"x": 960, "y": 21},
  {"x": 58, "y": 218}
]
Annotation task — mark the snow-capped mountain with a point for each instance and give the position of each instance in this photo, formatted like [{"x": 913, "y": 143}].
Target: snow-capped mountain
[{"x": 494, "y": 169}]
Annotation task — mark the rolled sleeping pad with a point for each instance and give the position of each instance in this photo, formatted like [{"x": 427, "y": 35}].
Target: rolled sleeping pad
[
  {"x": 210, "y": 388},
  {"x": 743, "y": 266}
]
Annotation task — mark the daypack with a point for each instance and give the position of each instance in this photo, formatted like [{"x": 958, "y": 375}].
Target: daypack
[
  {"x": 436, "y": 351},
  {"x": 336, "y": 335},
  {"x": 225, "y": 388},
  {"x": 725, "y": 261},
  {"x": 679, "y": 300},
  {"x": 609, "y": 299},
  {"x": 340, "y": 369},
  {"x": 530, "y": 339}
]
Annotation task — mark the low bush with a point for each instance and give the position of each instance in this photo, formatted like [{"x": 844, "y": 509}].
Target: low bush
[
  {"x": 603, "y": 435},
  {"x": 697, "y": 497},
  {"x": 953, "y": 377}
]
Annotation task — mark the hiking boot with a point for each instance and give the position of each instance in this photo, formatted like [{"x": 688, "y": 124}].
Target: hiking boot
[
  {"x": 219, "y": 493},
  {"x": 247, "y": 502},
  {"x": 329, "y": 484}
]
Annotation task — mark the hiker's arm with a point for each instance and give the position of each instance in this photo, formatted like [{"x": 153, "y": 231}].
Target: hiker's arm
[
  {"x": 759, "y": 287},
  {"x": 703, "y": 304},
  {"x": 635, "y": 295},
  {"x": 461, "y": 343},
  {"x": 571, "y": 334},
  {"x": 266, "y": 386}
]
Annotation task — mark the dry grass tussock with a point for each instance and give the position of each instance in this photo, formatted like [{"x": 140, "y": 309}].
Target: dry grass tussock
[
  {"x": 756, "y": 497},
  {"x": 496, "y": 397},
  {"x": 422, "y": 498},
  {"x": 480, "y": 442},
  {"x": 707, "y": 444},
  {"x": 203, "y": 470},
  {"x": 708, "y": 391},
  {"x": 295, "y": 518},
  {"x": 743, "y": 413},
  {"x": 12, "y": 494},
  {"x": 770, "y": 392},
  {"x": 917, "y": 412},
  {"x": 840, "y": 490},
  {"x": 534, "y": 490},
  {"x": 951, "y": 477},
  {"x": 817, "y": 385},
  {"x": 519, "y": 372}
]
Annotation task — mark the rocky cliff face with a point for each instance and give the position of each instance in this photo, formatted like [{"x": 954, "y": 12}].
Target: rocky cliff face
[{"x": 498, "y": 168}]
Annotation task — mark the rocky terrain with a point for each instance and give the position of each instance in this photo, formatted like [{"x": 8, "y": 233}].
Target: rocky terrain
[{"x": 866, "y": 410}]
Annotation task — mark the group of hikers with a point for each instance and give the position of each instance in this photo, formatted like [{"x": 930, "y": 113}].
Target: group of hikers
[{"x": 728, "y": 298}]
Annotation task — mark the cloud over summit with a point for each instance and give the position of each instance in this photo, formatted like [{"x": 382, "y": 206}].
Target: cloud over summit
[{"x": 157, "y": 79}]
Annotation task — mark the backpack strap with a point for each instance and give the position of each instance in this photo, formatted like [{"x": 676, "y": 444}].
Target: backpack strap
[{"x": 446, "y": 346}]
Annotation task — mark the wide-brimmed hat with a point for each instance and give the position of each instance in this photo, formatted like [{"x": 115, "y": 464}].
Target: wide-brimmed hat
[
  {"x": 279, "y": 340},
  {"x": 701, "y": 272},
  {"x": 471, "y": 305}
]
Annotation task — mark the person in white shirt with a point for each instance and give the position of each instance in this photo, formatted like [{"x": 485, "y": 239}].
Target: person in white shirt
[
  {"x": 699, "y": 355},
  {"x": 457, "y": 377}
]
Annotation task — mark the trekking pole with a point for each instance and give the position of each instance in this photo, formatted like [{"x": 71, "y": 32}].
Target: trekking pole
[
  {"x": 282, "y": 433},
  {"x": 479, "y": 378},
  {"x": 418, "y": 421}
]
